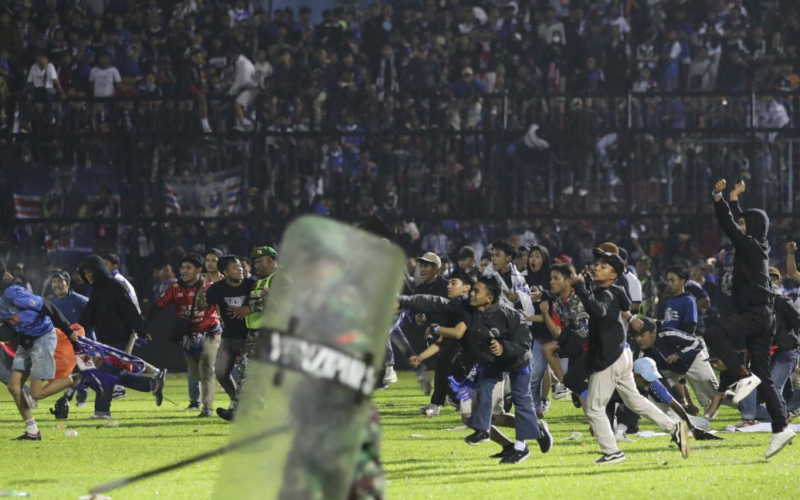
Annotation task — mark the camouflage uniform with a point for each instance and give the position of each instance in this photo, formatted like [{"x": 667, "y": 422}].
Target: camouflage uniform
[
  {"x": 369, "y": 481},
  {"x": 331, "y": 449},
  {"x": 253, "y": 321}
]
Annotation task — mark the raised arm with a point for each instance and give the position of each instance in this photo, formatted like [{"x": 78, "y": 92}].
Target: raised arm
[
  {"x": 724, "y": 215},
  {"x": 593, "y": 305}
]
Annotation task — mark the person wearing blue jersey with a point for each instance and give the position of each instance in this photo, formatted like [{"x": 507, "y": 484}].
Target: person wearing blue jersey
[
  {"x": 27, "y": 315},
  {"x": 681, "y": 312},
  {"x": 71, "y": 304},
  {"x": 679, "y": 356}
]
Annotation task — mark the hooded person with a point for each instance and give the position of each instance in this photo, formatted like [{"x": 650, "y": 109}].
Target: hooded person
[
  {"x": 754, "y": 321},
  {"x": 114, "y": 319}
]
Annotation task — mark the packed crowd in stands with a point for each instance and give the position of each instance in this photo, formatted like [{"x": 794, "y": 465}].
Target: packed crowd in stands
[{"x": 405, "y": 66}]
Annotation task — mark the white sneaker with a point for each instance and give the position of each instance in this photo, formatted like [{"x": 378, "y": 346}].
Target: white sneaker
[
  {"x": 744, "y": 387},
  {"x": 561, "y": 391},
  {"x": 206, "y": 129},
  {"x": 778, "y": 441},
  {"x": 622, "y": 437},
  {"x": 390, "y": 377},
  {"x": 568, "y": 190}
]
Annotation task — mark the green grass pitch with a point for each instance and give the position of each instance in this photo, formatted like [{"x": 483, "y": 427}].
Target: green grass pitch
[{"x": 437, "y": 465}]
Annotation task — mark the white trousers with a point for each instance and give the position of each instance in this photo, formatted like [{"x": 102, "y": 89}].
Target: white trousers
[{"x": 619, "y": 377}]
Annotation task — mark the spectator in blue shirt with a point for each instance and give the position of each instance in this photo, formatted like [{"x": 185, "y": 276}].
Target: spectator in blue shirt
[
  {"x": 681, "y": 313},
  {"x": 468, "y": 85},
  {"x": 70, "y": 304}
]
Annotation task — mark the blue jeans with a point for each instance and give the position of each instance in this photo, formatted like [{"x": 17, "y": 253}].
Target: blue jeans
[
  {"x": 526, "y": 425},
  {"x": 194, "y": 389},
  {"x": 781, "y": 366},
  {"x": 751, "y": 410},
  {"x": 538, "y": 368}
]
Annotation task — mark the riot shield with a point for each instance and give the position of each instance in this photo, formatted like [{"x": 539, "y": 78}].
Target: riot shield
[{"x": 323, "y": 340}]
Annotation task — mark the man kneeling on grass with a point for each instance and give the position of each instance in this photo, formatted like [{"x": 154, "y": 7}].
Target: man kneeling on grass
[{"x": 498, "y": 339}]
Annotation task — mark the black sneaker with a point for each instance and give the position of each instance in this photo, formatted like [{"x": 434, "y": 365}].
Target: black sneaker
[
  {"x": 119, "y": 393},
  {"x": 517, "y": 457},
  {"x": 29, "y": 437},
  {"x": 225, "y": 414},
  {"x": 193, "y": 406},
  {"x": 158, "y": 387},
  {"x": 477, "y": 438},
  {"x": 61, "y": 410},
  {"x": 611, "y": 458},
  {"x": 546, "y": 441},
  {"x": 507, "y": 402},
  {"x": 507, "y": 450},
  {"x": 681, "y": 438}
]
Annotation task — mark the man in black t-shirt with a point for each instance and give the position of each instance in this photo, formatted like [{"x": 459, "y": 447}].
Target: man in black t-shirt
[{"x": 228, "y": 294}]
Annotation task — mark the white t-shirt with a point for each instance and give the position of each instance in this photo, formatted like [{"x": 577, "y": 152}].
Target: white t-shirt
[
  {"x": 104, "y": 80},
  {"x": 263, "y": 71},
  {"x": 42, "y": 78},
  {"x": 634, "y": 287}
]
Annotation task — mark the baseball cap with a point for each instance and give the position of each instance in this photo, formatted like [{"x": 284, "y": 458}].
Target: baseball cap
[
  {"x": 63, "y": 276},
  {"x": 773, "y": 271},
  {"x": 431, "y": 258},
  {"x": 263, "y": 252},
  {"x": 646, "y": 367},
  {"x": 466, "y": 253},
  {"x": 612, "y": 258}
]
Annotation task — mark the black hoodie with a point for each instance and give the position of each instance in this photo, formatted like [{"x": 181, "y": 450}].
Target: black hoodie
[
  {"x": 110, "y": 311},
  {"x": 751, "y": 286},
  {"x": 606, "y": 340}
]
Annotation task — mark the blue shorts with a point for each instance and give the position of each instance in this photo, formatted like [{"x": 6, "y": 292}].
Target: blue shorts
[{"x": 38, "y": 359}]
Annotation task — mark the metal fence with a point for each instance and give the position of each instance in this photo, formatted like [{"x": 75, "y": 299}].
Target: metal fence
[{"x": 414, "y": 156}]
